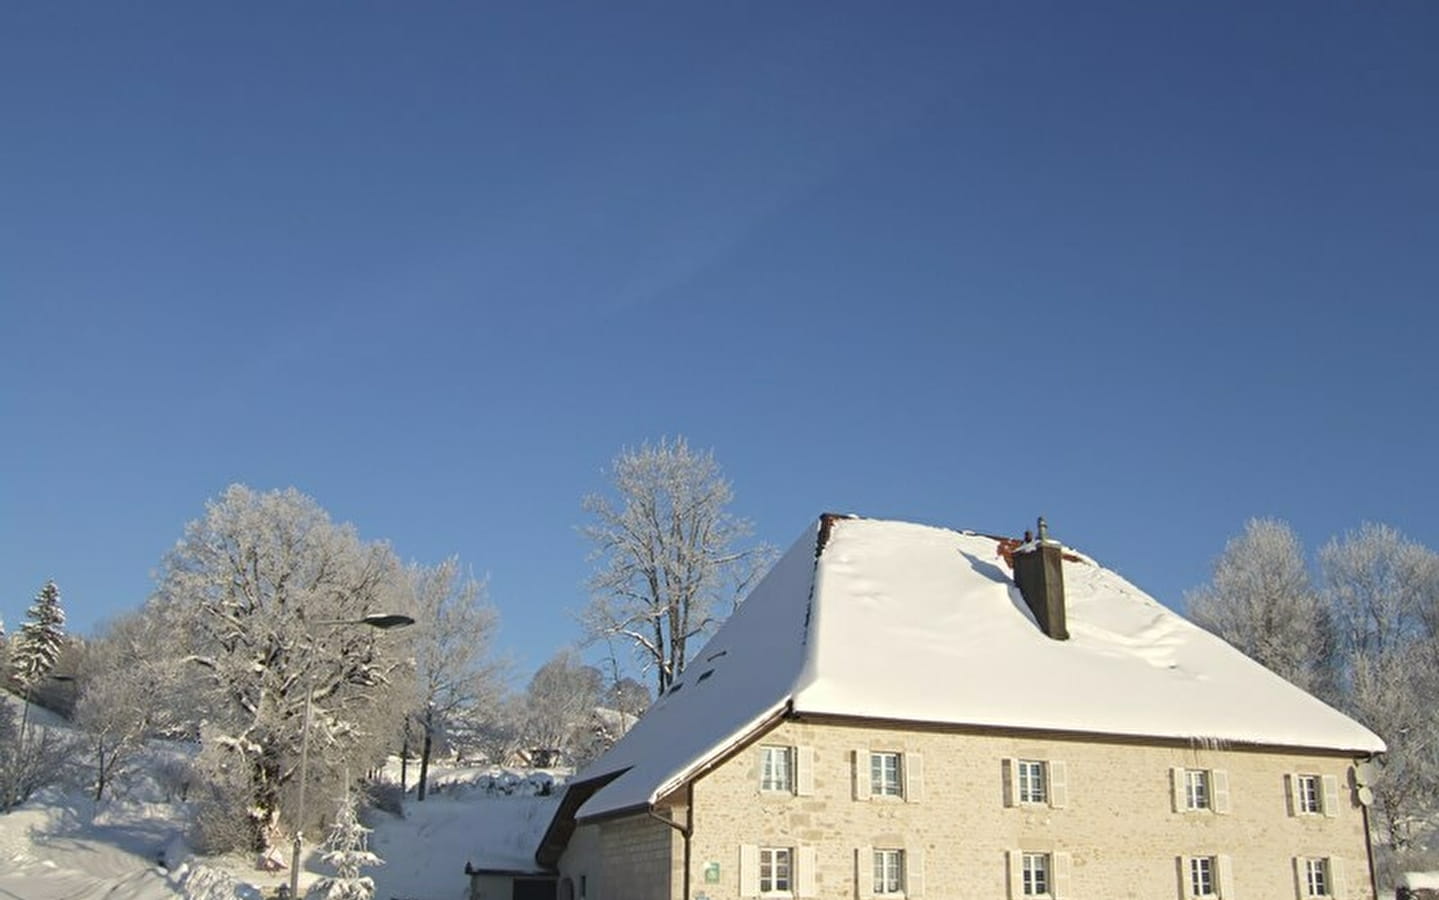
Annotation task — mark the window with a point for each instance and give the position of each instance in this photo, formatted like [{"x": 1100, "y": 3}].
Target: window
[
  {"x": 1307, "y": 791},
  {"x": 1201, "y": 876},
  {"x": 775, "y": 865},
  {"x": 888, "y": 872},
  {"x": 1034, "y": 870},
  {"x": 1035, "y": 782},
  {"x": 1201, "y": 790},
  {"x": 885, "y": 775},
  {"x": 776, "y": 771},
  {"x": 1196, "y": 789},
  {"x": 1032, "y": 787},
  {"x": 1316, "y": 878}
]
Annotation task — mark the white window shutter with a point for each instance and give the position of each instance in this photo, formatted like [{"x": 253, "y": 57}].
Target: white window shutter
[
  {"x": 1058, "y": 784},
  {"x": 804, "y": 771},
  {"x": 1299, "y": 891},
  {"x": 748, "y": 870},
  {"x": 1183, "y": 863},
  {"x": 864, "y": 872},
  {"x": 914, "y": 871},
  {"x": 861, "y": 775},
  {"x": 1016, "y": 878},
  {"x": 1291, "y": 792},
  {"x": 1336, "y": 875},
  {"x": 1176, "y": 778},
  {"x": 1331, "y": 796},
  {"x": 804, "y": 875},
  {"x": 1010, "y": 770},
  {"x": 1219, "y": 787},
  {"x": 1225, "y": 865},
  {"x": 913, "y": 777},
  {"x": 1060, "y": 888},
  {"x": 759, "y": 768}
]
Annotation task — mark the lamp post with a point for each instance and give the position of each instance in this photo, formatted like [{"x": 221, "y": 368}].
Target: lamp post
[{"x": 382, "y": 621}]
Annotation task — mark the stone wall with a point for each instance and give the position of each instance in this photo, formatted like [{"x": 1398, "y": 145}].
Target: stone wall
[
  {"x": 636, "y": 857},
  {"x": 1118, "y": 827}
]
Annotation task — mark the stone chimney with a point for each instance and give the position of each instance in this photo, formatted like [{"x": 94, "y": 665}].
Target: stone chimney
[{"x": 1039, "y": 572}]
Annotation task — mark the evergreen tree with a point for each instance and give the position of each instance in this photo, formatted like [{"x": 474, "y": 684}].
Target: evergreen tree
[
  {"x": 347, "y": 853},
  {"x": 41, "y": 639}
]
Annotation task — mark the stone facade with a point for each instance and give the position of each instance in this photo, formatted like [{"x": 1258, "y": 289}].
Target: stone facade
[
  {"x": 1109, "y": 826},
  {"x": 634, "y": 857}
]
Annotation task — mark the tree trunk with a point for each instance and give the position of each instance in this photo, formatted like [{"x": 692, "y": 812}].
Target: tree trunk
[
  {"x": 100, "y": 775},
  {"x": 405, "y": 758},
  {"x": 424, "y": 766}
]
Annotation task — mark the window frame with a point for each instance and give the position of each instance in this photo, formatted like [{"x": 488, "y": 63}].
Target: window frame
[
  {"x": 1202, "y": 870},
  {"x": 879, "y": 783},
  {"x": 1198, "y": 790},
  {"x": 786, "y": 753},
  {"x": 1032, "y": 777},
  {"x": 769, "y": 858},
  {"x": 887, "y": 867},
  {"x": 1036, "y": 874},
  {"x": 1317, "y": 874},
  {"x": 1311, "y": 803}
]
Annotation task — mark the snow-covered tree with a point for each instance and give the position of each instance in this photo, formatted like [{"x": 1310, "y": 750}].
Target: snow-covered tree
[
  {"x": 30, "y": 759},
  {"x": 41, "y": 638},
  {"x": 457, "y": 680},
  {"x": 346, "y": 851},
  {"x": 126, "y": 694},
  {"x": 1262, "y": 601},
  {"x": 560, "y": 705},
  {"x": 669, "y": 565},
  {"x": 1382, "y": 589},
  {"x": 260, "y": 596}
]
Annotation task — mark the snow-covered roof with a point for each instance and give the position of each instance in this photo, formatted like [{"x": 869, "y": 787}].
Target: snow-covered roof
[{"x": 893, "y": 620}]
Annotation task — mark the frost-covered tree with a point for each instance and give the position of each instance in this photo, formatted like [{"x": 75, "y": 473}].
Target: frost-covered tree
[
  {"x": 127, "y": 693},
  {"x": 41, "y": 638},
  {"x": 1262, "y": 600},
  {"x": 30, "y": 758},
  {"x": 560, "y": 707},
  {"x": 250, "y": 598},
  {"x": 457, "y": 679},
  {"x": 670, "y": 564},
  {"x": 1382, "y": 588},
  {"x": 346, "y": 851}
]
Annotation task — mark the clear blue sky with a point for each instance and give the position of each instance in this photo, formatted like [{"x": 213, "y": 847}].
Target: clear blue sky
[{"x": 1147, "y": 269}]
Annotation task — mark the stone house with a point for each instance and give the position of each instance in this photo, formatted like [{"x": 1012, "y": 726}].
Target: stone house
[{"x": 901, "y": 711}]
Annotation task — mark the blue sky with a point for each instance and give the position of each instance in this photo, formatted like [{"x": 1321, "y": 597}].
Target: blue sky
[{"x": 1146, "y": 271}]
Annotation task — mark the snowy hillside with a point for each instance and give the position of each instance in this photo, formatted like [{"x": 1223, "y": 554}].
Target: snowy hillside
[{"x": 61, "y": 846}]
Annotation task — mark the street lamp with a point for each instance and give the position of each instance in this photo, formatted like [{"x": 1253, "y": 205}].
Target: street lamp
[{"x": 382, "y": 621}]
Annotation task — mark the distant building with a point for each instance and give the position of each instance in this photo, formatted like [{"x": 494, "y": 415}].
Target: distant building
[{"x": 906, "y": 711}]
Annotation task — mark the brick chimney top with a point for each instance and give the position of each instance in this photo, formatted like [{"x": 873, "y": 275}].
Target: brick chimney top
[{"x": 1039, "y": 573}]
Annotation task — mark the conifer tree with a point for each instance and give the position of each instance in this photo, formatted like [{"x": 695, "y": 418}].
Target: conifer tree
[
  {"x": 347, "y": 853},
  {"x": 41, "y": 639}
]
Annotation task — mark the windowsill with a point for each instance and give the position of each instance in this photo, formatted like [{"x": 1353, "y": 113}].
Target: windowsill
[{"x": 776, "y": 792}]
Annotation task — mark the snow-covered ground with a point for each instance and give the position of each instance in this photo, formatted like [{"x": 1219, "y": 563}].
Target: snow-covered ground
[{"x": 61, "y": 846}]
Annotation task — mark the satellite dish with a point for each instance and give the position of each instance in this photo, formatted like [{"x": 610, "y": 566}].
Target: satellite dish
[
  {"x": 1364, "y": 773},
  {"x": 1366, "y": 797}
]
